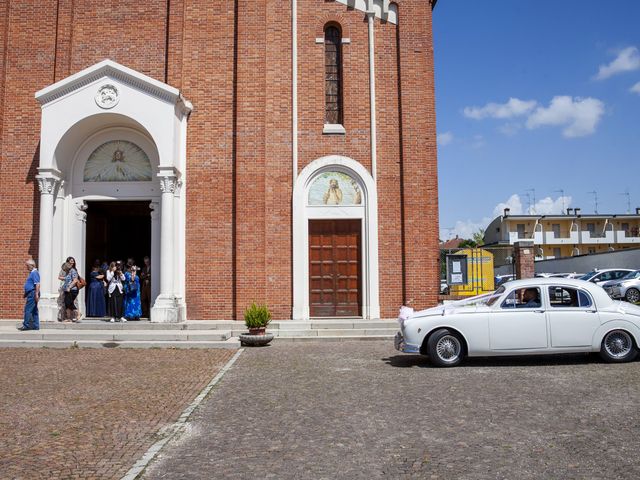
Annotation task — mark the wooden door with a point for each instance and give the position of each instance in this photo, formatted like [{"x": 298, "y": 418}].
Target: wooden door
[{"x": 334, "y": 268}]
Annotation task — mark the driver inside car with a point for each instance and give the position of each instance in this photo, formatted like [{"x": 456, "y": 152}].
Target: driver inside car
[{"x": 530, "y": 298}]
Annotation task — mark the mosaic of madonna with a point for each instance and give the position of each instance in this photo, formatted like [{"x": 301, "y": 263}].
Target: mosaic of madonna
[
  {"x": 335, "y": 188},
  {"x": 118, "y": 161}
]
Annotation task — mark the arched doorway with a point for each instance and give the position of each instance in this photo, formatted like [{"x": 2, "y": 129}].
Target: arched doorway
[
  {"x": 111, "y": 135},
  {"x": 335, "y": 241},
  {"x": 107, "y": 209}
]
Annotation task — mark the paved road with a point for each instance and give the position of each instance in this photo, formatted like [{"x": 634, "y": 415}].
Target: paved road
[
  {"x": 85, "y": 413},
  {"x": 353, "y": 410}
]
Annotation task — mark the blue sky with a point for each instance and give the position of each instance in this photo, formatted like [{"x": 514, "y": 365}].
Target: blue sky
[{"x": 536, "y": 95}]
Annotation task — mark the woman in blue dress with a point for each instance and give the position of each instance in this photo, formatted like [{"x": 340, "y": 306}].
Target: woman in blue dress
[
  {"x": 96, "y": 305},
  {"x": 132, "y": 307}
]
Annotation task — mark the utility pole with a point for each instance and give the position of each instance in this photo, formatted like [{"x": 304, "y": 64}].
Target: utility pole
[
  {"x": 528, "y": 195},
  {"x": 561, "y": 191},
  {"x": 595, "y": 199},
  {"x": 532, "y": 209},
  {"x": 628, "y": 195}
]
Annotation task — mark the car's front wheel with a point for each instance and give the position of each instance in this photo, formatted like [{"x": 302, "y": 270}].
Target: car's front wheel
[
  {"x": 617, "y": 346},
  {"x": 445, "y": 348},
  {"x": 632, "y": 295}
]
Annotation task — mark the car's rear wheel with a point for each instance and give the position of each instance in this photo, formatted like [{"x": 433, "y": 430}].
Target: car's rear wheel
[
  {"x": 617, "y": 346},
  {"x": 445, "y": 348},
  {"x": 632, "y": 295}
]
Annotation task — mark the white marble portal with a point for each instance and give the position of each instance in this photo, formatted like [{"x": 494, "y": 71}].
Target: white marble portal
[{"x": 98, "y": 106}]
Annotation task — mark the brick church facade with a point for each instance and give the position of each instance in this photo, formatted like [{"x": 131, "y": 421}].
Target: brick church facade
[{"x": 276, "y": 151}]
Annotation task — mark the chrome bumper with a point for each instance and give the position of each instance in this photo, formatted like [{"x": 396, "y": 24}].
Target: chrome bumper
[{"x": 402, "y": 346}]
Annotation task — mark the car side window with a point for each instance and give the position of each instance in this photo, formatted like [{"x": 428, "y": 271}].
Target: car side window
[
  {"x": 563, "y": 297},
  {"x": 584, "y": 299},
  {"x": 523, "y": 298},
  {"x": 604, "y": 277},
  {"x": 619, "y": 274}
]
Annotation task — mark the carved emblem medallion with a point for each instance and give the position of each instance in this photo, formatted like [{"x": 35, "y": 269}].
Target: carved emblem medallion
[{"x": 107, "y": 96}]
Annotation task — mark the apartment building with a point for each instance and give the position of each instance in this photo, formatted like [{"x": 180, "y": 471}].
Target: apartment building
[{"x": 569, "y": 234}]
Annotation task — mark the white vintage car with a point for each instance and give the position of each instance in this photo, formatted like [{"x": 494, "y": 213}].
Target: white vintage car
[{"x": 524, "y": 317}]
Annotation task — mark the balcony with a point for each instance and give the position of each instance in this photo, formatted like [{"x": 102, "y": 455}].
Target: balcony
[
  {"x": 597, "y": 237},
  {"x": 563, "y": 238},
  {"x": 626, "y": 236},
  {"x": 516, "y": 237}
]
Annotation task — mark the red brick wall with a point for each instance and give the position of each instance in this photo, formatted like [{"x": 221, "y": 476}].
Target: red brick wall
[
  {"x": 418, "y": 158},
  {"x": 130, "y": 32},
  {"x": 239, "y": 173},
  {"x": 207, "y": 81},
  {"x": 27, "y": 67}
]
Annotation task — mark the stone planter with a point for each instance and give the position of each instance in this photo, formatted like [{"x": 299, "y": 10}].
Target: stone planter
[{"x": 248, "y": 340}]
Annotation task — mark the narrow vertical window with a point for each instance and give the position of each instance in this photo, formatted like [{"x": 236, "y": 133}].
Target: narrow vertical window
[{"x": 333, "y": 75}]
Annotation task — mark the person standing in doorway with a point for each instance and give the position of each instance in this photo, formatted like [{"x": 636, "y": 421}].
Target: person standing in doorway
[
  {"x": 115, "y": 277},
  {"x": 132, "y": 310},
  {"x": 71, "y": 293},
  {"x": 72, "y": 262},
  {"x": 145, "y": 287},
  {"x": 95, "y": 297},
  {"x": 62, "y": 310},
  {"x": 31, "y": 319}
]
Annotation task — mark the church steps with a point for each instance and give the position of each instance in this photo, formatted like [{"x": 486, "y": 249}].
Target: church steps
[{"x": 93, "y": 333}]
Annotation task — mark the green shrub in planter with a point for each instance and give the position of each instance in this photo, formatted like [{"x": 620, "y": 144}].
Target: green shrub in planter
[{"x": 257, "y": 316}]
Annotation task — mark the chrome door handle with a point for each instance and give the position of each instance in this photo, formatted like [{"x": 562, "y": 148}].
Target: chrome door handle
[{"x": 538, "y": 311}]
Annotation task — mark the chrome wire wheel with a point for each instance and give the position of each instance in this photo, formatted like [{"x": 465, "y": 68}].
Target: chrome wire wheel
[
  {"x": 618, "y": 344},
  {"x": 448, "y": 349},
  {"x": 632, "y": 295}
]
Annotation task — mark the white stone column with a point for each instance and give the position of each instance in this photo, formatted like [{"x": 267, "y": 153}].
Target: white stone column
[
  {"x": 165, "y": 308},
  {"x": 79, "y": 245},
  {"x": 371, "y": 16},
  {"x": 155, "y": 250},
  {"x": 48, "y": 183}
]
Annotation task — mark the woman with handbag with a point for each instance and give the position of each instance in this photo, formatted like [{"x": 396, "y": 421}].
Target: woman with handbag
[{"x": 71, "y": 289}]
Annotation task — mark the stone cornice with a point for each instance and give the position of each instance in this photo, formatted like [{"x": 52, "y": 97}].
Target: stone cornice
[
  {"x": 109, "y": 69},
  {"x": 382, "y": 9}
]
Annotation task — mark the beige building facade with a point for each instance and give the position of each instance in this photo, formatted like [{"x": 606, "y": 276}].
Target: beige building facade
[{"x": 558, "y": 236}]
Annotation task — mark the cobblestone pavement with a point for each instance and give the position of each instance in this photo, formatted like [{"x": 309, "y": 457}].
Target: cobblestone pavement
[
  {"x": 352, "y": 410},
  {"x": 83, "y": 413}
]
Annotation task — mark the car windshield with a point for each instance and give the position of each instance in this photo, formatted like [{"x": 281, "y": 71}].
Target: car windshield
[
  {"x": 631, "y": 275},
  {"x": 484, "y": 299},
  {"x": 587, "y": 276}
]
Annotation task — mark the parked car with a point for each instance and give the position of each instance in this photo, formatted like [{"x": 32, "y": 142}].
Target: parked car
[
  {"x": 559, "y": 275},
  {"x": 500, "y": 279},
  {"x": 605, "y": 275},
  {"x": 524, "y": 317},
  {"x": 627, "y": 287}
]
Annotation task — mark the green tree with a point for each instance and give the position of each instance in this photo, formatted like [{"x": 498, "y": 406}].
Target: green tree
[{"x": 478, "y": 237}]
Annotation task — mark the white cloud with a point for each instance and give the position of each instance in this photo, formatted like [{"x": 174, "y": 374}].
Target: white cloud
[
  {"x": 512, "y": 108},
  {"x": 635, "y": 88},
  {"x": 510, "y": 128},
  {"x": 544, "y": 206},
  {"x": 579, "y": 116},
  {"x": 549, "y": 206},
  {"x": 626, "y": 61},
  {"x": 513, "y": 203},
  {"x": 464, "y": 229},
  {"x": 444, "y": 138}
]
